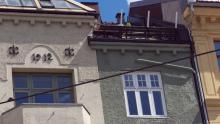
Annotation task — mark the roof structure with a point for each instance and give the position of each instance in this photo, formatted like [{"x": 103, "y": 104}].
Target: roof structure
[
  {"x": 46, "y": 6},
  {"x": 147, "y": 2}
]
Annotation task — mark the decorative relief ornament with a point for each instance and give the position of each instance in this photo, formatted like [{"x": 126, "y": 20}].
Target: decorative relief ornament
[
  {"x": 69, "y": 52},
  {"x": 13, "y": 50}
]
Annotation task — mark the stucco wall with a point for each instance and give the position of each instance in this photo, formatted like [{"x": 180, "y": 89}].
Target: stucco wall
[
  {"x": 44, "y": 33},
  {"x": 47, "y": 114},
  {"x": 180, "y": 97}
]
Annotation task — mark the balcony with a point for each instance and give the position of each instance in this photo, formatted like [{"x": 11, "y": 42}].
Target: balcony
[
  {"x": 140, "y": 34},
  {"x": 47, "y": 114},
  {"x": 208, "y": 0}
]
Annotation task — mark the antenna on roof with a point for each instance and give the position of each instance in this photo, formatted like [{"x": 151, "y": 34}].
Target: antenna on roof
[
  {"x": 176, "y": 19},
  {"x": 148, "y": 18}
]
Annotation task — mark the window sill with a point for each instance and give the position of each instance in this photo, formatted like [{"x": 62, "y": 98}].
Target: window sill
[{"x": 148, "y": 117}]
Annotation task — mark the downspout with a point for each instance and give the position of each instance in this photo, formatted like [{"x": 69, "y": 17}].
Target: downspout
[{"x": 196, "y": 75}]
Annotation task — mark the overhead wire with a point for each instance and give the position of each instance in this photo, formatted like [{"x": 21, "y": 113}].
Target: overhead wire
[{"x": 110, "y": 76}]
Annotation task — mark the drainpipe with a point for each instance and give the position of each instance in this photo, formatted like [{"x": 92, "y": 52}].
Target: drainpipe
[
  {"x": 198, "y": 82},
  {"x": 196, "y": 75}
]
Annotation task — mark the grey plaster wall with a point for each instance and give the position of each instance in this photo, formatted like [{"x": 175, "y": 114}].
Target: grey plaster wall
[{"x": 180, "y": 96}]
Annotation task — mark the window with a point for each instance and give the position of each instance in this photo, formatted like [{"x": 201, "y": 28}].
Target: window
[
  {"x": 27, "y": 84},
  {"x": 2, "y": 2},
  {"x": 13, "y": 2},
  {"x": 63, "y": 4},
  {"x": 144, "y": 95},
  {"x": 217, "y": 46},
  {"x": 29, "y": 3},
  {"x": 46, "y": 4}
]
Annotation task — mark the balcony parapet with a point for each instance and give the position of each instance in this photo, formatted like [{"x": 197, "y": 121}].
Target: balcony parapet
[
  {"x": 140, "y": 34},
  {"x": 47, "y": 114}
]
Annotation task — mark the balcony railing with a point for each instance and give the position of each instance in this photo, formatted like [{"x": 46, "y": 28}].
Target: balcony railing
[
  {"x": 139, "y": 34},
  {"x": 207, "y": 0}
]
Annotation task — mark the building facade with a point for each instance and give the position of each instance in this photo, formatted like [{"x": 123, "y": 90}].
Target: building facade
[
  {"x": 44, "y": 46},
  {"x": 160, "y": 10},
  {"x": 202, "y": 17},
  {"x": 161, "y": 95}
]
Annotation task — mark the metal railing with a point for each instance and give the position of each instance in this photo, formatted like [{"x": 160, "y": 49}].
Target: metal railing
[
  {"x": 208, "y": 0},
  {"x": 134, "y": 33}
]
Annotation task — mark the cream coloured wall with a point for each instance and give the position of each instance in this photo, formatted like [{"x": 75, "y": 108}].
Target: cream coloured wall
[{"x": 205, "y": 26}]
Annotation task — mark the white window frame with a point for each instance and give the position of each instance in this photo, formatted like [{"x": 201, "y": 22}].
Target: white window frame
[{"x": 150, "y": 90}]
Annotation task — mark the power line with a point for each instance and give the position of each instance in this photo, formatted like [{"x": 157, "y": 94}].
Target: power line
[{"x": 111, "y": 76}]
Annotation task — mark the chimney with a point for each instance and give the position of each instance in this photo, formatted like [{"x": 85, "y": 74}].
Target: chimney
[{"x": 118, "y": 17}]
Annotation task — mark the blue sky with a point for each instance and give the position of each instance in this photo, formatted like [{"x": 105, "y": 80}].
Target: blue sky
[{"x": 110, "y": 7}]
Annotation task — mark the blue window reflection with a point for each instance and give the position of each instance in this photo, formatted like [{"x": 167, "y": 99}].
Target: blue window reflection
[
  {"x": 19, "y": 95},
  {"x": 158, "y": 103},
  {"x": 46, "y": 3},
  {"x": 44, "y": 98},
  {"x": 14, "y": 2},
  {"x": 20, "y": 81},
  {"x": 154, "y": 81},
  {"x": 217, "y": 46},
  {"x": 141, "y": 81},
  {"x": 65, "y": 98},
  {"x": 42, "y": 81},
  {"x": 25, "y": 83},
  {"x": 145, "y": 103},
  {"x": 128, "y": 81},
  {"x": 132, "y": 103},
  {"x": 27, "y": 3},
  {"x": 64, "y": 81}
]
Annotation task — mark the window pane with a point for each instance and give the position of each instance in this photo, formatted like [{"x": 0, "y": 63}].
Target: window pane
[
  {"x": 14, "y": 2},
  {"x": 217, "y": 46},
  {"x": 28, "y": 3},
  {"x": 2, "y": 2},
  {"x": 154, "y": 81},
  {"x": 128, "y": 81},
  {"x": 145, "y": 103},
  {"x": 65, "y": 98},
  {"x": 19, "y": 95},
  {"x": 141, "y": 80},
  {"x": 64, "y": 4},
  {"x": 20, "y": 81},
  {"x": 60, "y": 4},
  {"x": 46, "y": 4},
  {"x": 44, "y": 98},
  {"x": 132, "y": 103},
  {"x": 158, "y": 103},
  {"x": 42, "y": 81},
  {"x": 64, "y": 81}
]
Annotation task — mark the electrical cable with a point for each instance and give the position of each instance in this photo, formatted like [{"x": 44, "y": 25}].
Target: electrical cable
[{"x": 111, "y": 76}]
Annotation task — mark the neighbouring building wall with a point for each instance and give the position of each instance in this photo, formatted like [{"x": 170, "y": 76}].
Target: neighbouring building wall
[
  {"x": 180, "y": 95},
  {"x": 205, "y": 27},
  {"x": 49, "y": 33},
  {"x": 164, "y": 10},
  {"x": 169, "y": 10}
]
